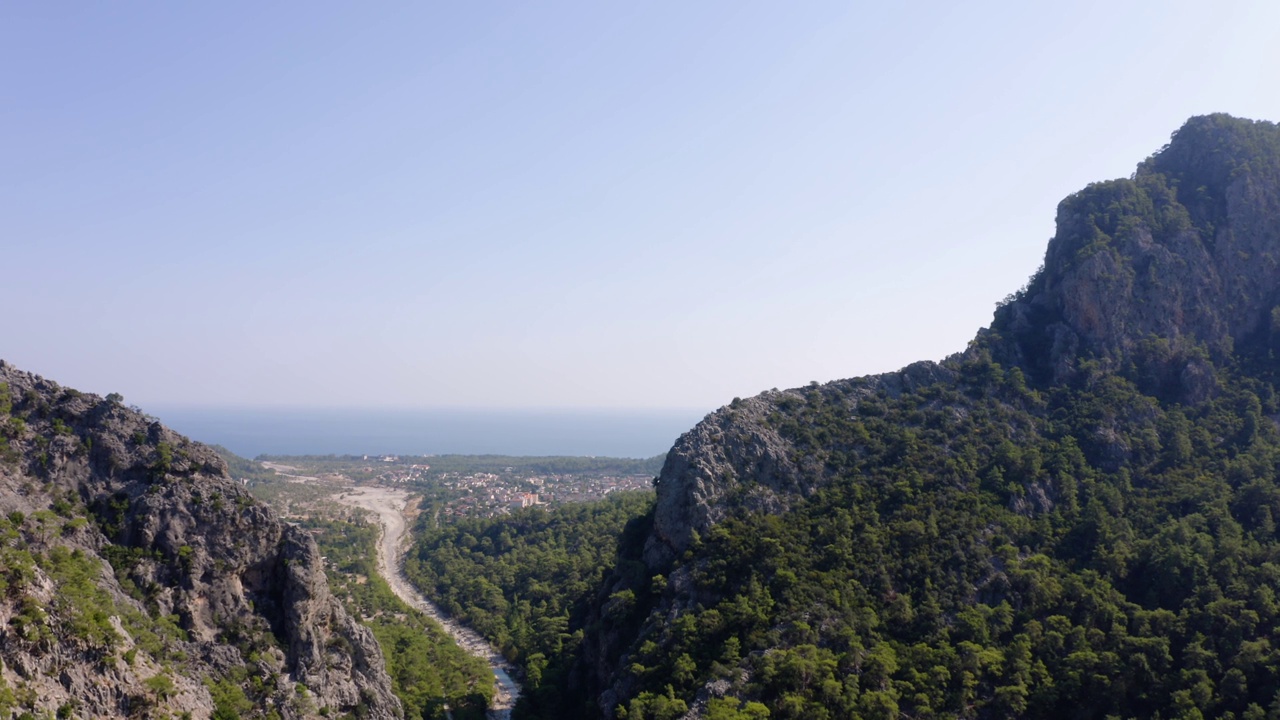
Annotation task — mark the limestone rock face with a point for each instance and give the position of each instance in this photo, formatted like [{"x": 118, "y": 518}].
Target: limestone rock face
[
  {"x": 190, "y": 548},
  {"x": 709, "y": 463},
  {"x": 1176, "y": 266}
]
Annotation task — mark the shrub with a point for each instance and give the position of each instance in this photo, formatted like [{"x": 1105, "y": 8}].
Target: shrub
[{"x": 160, "y": 685}]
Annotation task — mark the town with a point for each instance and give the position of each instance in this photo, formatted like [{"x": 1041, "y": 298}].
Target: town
[
  {"x": 460, "y": 486},
  {"x": 486, "y": 494}
]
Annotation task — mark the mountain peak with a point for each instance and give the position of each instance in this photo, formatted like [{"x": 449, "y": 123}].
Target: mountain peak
[{"x": 1165, "y": 270}]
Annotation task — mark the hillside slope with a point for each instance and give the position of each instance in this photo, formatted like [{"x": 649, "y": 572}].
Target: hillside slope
[
  {"x": 139, "y": 580},
  {"x": 1075, "y": 517}
]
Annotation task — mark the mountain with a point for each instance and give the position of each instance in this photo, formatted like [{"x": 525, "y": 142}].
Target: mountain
[
  {"x": 138, "y": 580},
  {"x": 1180, "y": 258},
  {"x": 1073, "y": 517}
]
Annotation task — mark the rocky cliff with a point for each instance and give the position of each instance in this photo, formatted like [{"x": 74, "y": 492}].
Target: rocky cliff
[
  {"x": 140, "y": 580},
  {"x": 1183, "y": 255}
]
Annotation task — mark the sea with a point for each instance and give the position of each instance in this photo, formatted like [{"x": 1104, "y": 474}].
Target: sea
[{"x": 250, "y": 432}]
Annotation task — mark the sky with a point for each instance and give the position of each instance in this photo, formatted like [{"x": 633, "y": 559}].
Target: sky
[{"x": 560, "y": 205}]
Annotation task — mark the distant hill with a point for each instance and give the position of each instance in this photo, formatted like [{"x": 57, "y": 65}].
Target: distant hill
[{"x": 1074, "y": 517}]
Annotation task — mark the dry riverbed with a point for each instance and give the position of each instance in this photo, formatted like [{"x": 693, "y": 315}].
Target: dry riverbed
[{"x": 388, "y": 504}]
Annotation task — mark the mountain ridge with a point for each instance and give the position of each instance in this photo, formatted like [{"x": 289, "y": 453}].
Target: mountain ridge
[
  {"x": 1106, "y": 436},
  {"x": 1078, "y": 297}
]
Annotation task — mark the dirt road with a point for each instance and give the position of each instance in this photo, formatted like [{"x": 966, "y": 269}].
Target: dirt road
[{"x": 389, "y": 504}]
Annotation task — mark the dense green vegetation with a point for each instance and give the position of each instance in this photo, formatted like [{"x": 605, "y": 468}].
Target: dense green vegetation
[
  {"x": 992, "y": 550},
  {"x": 522, "y": 581},
  {"x": 429, "y": 672},
  {"x": 982, "y": 548}
]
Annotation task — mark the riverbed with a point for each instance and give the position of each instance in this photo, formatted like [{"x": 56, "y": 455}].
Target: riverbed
[{"x": 388, "y": 504}]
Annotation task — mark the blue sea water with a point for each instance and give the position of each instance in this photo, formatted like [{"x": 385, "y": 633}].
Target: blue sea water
[{"x": 251, "y": 432}]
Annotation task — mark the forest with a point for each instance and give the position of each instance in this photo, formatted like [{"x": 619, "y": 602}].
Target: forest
[
  {"x": 986, "y": 550},
  {"x": 977, "y": 563},
  {"x": 523, "y": 581}
]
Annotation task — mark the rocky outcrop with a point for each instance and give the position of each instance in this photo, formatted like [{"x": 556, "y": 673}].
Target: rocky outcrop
[
  {"x": 234, "y": 594},
  {"x": 733, "y": 451},
  {"x": 1171, "y": 268},
  {"x": 736, "y": 459}
]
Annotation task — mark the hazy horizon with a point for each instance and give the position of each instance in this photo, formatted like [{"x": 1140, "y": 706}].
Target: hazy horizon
[{"x": 250, "y": 432}]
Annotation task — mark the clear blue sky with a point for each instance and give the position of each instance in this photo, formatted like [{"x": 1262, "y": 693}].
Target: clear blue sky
[{"x": 611, "y": 205}]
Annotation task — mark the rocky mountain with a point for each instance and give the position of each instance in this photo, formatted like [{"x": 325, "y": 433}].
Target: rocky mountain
[
  {"x": 138, "y": 580},
  {"x": 1132, "y": 275},
  {"x": 1074, "y": 517},
  {"x": 1183, "y": 255}
]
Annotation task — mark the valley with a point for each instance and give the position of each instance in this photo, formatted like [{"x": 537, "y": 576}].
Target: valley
[
  {"x": 317, "y": 493},
  {"x": 387, "y": 506},
  {"x": 1075, "y": 516},
  {"x": 1071, "y": 518}
]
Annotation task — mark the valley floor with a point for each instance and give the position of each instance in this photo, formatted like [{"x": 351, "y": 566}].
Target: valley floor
[{"x": 388, "y": 504}]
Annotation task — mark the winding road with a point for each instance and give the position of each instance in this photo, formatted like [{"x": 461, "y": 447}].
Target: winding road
[{"x": 389, "y": 504}]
